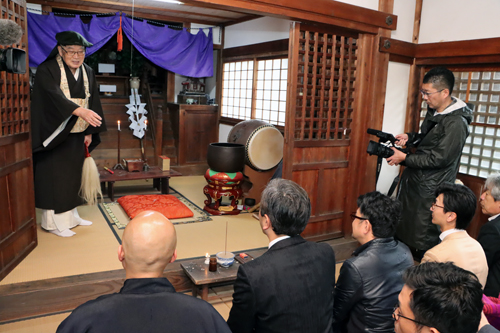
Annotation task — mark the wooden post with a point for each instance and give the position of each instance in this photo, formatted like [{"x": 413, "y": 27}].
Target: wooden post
[{"x": 159, "y": 134}]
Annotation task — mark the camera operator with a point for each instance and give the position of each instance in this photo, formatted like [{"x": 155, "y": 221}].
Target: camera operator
[{"x": 436, "y": 159}]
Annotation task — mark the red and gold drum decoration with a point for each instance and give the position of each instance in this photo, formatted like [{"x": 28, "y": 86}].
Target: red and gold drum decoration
[{"x": 222, "y": 184}]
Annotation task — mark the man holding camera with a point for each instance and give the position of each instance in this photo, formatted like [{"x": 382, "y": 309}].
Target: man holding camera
[{"x": 435, "y": 161}]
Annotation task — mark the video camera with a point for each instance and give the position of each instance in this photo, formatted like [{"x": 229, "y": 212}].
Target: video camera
[{"x": 379, "y": 149}]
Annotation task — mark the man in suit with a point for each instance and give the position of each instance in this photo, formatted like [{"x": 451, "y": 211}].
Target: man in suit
[
  {"x": 440, "y": 297},
  {"x": 147, "y": 302},
  {"x": 370, "y": 281},
  {"x": 489, "y": 235},
  {"x": 290, "y": 287},
  {"x": 453, "y": 211}
]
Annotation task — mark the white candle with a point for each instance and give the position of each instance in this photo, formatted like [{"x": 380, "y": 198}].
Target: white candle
[
  {"x": 145, "y": 124},
  {"x": 207, "y": 259},
  {"x": 118, "y": 125}
]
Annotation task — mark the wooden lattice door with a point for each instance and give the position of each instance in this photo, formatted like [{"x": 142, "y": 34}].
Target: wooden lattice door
[
  {"x": 320, "y": 103},
  {"x": 17, "y": 205}
]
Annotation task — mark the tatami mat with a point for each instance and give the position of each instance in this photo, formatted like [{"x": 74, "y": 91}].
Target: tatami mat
[{"x": 93, "y": 249}]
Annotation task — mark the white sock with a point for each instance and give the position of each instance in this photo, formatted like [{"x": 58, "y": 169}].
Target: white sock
[
  {"x": 79, "y": 219},
  {"x": 64, "y": 233},
  {"x": 84, "y": 222}
]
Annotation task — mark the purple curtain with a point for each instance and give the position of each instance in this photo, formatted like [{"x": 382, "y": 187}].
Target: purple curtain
[
  {"x": 178, "y": 51},
  {"x": 42, "y": 30}
]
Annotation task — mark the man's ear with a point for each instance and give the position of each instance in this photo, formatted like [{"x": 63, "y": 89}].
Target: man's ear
[
  {"x": 174, "y": 256},
  {"x": 433, "y": 330},
  {"x": 367, "y": 227},
  {"x": 447, "y": 91},
  {"x": 451, "y": 216},
  {"x": 266, "y": 222},
  {"x": 59, "y": 49},
  {"x": 121, "y": 253}
]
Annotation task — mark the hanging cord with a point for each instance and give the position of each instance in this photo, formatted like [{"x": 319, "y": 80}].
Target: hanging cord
[{"x": 132, "y": 43}]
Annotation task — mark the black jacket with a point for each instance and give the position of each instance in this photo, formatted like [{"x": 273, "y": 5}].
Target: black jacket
[
  {"x": 489, "y": 238},
  {"x": 368, "y": 286},
  {"x": 145, "y": 305},
  {"x": 435, "y": 161},
  {"x": 287, "y": 289}
]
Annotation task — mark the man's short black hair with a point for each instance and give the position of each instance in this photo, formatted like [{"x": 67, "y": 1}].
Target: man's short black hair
[
  {"x": 382, "y": 211},
  {"x": 460, "y": 200},
  {"x": 287, "y": 205},
  {"x": 441, "y": 78},
  {"x": 445, "y": 297}
]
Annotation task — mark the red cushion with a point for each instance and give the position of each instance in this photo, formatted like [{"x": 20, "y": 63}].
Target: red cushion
[{"x": 166, "y": 204}]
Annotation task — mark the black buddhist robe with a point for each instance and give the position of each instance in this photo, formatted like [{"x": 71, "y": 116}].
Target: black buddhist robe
[{"x": 58, "y": 166}]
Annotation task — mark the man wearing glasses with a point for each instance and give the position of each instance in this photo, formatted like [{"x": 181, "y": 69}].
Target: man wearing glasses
[
  {"x": 453, "y": 211},
  {"x": 66, "y": 115},
  {"x": 436, "y": 159},
  {"x": 440, "y": 297},
  {"x": 369, "y": 282}
]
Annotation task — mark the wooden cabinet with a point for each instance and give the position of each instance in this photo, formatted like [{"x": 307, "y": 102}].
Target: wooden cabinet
[{"x": 194, "y": 127}]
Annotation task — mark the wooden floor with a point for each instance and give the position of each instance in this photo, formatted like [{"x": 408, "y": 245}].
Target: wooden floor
[{"x": 62, "y": 273}]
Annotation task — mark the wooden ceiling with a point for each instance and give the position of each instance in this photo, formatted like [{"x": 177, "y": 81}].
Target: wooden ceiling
[{"x": 154, "y": 10}]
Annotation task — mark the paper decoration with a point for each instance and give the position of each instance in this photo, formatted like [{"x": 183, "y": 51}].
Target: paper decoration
[{"x": 137, "y": 114}]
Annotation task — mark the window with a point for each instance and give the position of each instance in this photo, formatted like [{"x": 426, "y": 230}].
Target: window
[
  {"x": 255, "y": 89},
  {"x": 481, "y": 153}
]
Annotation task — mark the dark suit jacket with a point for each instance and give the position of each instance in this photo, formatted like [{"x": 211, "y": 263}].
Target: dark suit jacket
[
  {"x": 145, "y": 305},
  {"x": 489, "y": 238},
  {"x": 287, "y": 289}
]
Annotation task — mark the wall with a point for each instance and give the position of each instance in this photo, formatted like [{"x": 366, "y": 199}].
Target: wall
[
  {"x": 397, "y": 89},
  {"x": 451, "y": 20},
  {"x": 260, "y": 30}
]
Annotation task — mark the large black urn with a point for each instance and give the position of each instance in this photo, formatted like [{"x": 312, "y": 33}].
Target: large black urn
[{"x": 226, "y": 157}]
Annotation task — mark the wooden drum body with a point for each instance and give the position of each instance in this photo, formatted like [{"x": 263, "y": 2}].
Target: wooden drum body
[{"x": 263, "y": 143}]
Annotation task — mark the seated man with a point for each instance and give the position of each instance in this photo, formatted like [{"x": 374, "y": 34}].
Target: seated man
[
  {"x": 369, "y": 283},
  {"x": 290, "y": 287},
  {"x": 439, "y": 297},
  {"x": 147, "y": 302},
  {"x": 489, "y": 235},
  {"x": 453, "y": 211}
]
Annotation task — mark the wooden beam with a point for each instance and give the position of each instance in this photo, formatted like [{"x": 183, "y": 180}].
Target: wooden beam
[
  {"x": 273, "y": 47},
  {"x": 473, "y": 48},
  {"x": 138, "y": 7},
  {"x": 323, "y": 11},
  {"x": 398, "y": 47},
  {"x": 487, "y": 60},
  {"x": 54, "y": 5},
  {"x": 417, "y": 20}
]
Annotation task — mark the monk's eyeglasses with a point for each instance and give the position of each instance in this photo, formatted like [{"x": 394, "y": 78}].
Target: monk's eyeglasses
[{"x": 72, "y": 53}]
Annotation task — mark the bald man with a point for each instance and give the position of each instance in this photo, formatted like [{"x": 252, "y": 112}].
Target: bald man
[{"x": 147, "y": 302}]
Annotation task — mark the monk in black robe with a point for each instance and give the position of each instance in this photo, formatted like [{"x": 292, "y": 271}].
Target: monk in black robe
[{"x": 66, "y": 115}]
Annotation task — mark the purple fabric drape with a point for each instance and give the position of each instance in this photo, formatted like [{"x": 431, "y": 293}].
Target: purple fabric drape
[
  {"x": 178, "y": 51},
  {"x": 42, "y": 30}
]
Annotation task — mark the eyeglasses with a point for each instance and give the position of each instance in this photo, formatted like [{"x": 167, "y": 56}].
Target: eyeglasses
[
  {"x": 425, "y": 93},
  {"x": 72, "y": 53},
  {"x": 436, "y": 205},
  {"x": 354, "y": 216},
  {"x": 396, "y": 315}
]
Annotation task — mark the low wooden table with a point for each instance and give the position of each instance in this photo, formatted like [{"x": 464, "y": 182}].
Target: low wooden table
[
  {"x": 161, "y": 178},
  {"x": 198, "y": 272}
]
